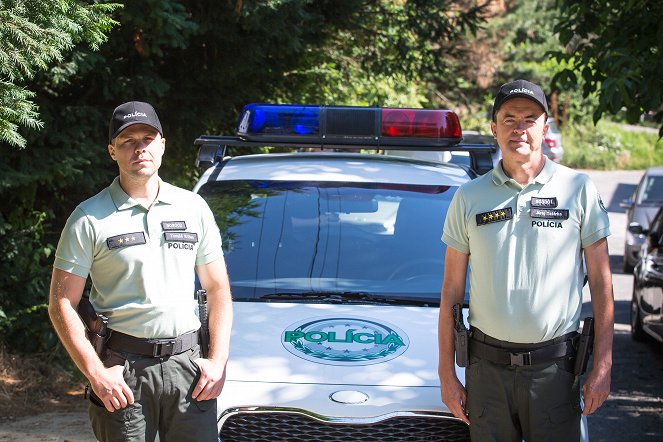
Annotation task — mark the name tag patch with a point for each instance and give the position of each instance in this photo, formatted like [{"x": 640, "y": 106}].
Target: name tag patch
[
  {"x": 126, "y": 240},
  {"x": 549, "y": 203},
  {"x": 173, "y": 225},
  {"x": 181, "y": 237},
  {"x": 549, "y": 213},
  {"x": 494, "y": 216}
]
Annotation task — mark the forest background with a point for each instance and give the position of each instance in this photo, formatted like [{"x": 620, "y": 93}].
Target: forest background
[{"x": 64, "y": 66}]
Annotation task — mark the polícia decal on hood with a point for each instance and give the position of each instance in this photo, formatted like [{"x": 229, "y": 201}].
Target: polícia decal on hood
[{"x": 345, "y": 341}]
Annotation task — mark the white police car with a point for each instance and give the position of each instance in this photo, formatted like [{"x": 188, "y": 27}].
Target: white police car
[{"x": 336, "y": 266}]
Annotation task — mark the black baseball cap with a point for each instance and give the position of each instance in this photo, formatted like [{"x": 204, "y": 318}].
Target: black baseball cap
[
  {"x": 520, "y": 88},
  {"x": 132, "y": 112}
]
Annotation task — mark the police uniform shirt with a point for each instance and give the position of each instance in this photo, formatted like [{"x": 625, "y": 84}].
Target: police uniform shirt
[
  {"x": 141, "y": 262},
  {"x": 525, "y": 249}
]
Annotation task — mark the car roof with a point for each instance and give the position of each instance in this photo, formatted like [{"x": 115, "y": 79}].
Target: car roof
[
  {"x": 658, "y": 170},
  {"x": 333, "y": 167}
]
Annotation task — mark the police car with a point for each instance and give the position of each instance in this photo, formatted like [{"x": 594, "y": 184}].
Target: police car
[{"x": 336, "y": 263}]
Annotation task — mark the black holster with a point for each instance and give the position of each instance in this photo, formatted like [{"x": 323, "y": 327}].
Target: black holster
[
  {"x": 203, "y": 315},
  {"x": 461, "y": 338},
  {"x": 585, "y": 347},
  {"x": 96, "y": 326}
]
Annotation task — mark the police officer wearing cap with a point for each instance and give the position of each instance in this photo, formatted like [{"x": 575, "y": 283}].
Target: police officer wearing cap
[
  {"x": 141, "y": 241},
  {"x": 524, "y": 229}
]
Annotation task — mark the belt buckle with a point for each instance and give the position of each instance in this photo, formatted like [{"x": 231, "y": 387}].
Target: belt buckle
[
  {"x": 163, "y": 348},
  {"x": 521, "y": 359}
]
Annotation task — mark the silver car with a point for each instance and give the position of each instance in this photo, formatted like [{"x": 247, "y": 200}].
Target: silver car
[{"x": 640, "y": 210}]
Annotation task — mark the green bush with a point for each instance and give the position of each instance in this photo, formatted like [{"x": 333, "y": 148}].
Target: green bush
[{"x": 611, "y": 146}]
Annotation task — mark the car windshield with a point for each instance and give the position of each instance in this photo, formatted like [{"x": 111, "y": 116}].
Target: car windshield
[
  {"x": 652, "y": 190},
  {"x": 326, "y": 241}
]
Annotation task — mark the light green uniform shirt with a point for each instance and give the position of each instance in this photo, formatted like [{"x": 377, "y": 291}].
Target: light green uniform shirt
[
  {"x": 141, "y": 262},
  {"x": 525, "y": 250}
]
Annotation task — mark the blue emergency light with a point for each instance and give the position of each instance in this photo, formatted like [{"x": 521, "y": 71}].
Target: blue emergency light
[{"x": 353, "y": 125}]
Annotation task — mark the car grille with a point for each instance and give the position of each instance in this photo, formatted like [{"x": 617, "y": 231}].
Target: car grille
[{"x": 294, "y": 426}]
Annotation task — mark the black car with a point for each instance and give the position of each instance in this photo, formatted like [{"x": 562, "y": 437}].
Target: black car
[{"x": 647, "y": 302}]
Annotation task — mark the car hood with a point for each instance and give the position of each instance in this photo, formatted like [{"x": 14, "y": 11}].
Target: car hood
[{"x": 295, "y": 343}]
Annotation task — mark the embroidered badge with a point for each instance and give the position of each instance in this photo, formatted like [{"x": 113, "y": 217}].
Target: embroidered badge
[
  {"x": 181, "y": 237},
  {"x": 173, "y": 225},
  {"x": 549, "y": 213},
  {"x": 546, "y": 203},
  {"x": 494, "y": 216},
  {"x": 601, "y": 205},
  {"x": 126, "y": 240}
]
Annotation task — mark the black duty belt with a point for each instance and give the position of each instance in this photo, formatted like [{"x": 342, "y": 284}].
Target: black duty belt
[
  {"x": 527, "y": 354},
  {"x": 152, "y": 347}
]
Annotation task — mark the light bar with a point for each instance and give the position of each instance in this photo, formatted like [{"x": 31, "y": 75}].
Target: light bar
[
  {"x": 279, "y": 120},
  {"x": 334, "y": 125}
]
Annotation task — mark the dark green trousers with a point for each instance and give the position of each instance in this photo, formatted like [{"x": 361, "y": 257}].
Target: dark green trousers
[
  {"x": 162, "y": 402},
  {"x": 533, "y": 403}
]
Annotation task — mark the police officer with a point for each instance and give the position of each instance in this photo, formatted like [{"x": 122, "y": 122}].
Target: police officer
[
  {"x": 140, "y": 241},
  {"x": 524, "y": 229}
]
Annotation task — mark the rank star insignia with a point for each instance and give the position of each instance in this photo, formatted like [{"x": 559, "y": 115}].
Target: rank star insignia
[
  {"x": 126, "y": 240},
  {"x": 494, "y": 216}
]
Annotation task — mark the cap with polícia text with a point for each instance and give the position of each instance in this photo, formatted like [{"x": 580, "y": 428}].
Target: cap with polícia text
[
  {"x": 130, "y": 113},
  {"x": 520, "y": 88}
]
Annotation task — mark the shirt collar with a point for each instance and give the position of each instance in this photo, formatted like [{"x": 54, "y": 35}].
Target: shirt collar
[
  {"x": 123, "y": 201},
  {"x": 549, "y": 168}
]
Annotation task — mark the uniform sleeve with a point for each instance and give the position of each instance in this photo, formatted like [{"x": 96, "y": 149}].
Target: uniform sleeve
[
  {"x": 209, "y": 249},
  {"x": 75, "y": 249},
  {"x": 595, "y": 222},
  {"x": 455, "y": 228}
]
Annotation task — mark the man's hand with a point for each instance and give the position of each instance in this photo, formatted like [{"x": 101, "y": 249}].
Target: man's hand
[
  {"x": 212, "y": 379},
  {"x": 110, "y": 388},
  {"x": 596, "y": 389},
  {"x": 455, "y": 397}
]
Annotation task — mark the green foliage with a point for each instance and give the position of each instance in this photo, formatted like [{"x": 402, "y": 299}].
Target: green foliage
[
  {"x": 523, "y": 40},
  {"x": 526, "y": 35},
  {"x": 614, "y": 49},
  {"x": 611, "y": 146},
  {"x": 34, "y": 34},
  {"x": 16, "y": 110}
]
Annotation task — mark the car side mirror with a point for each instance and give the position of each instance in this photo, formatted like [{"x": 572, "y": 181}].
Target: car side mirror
[
  {"x": 626, "y": 204},
  {"x": 636, "y": 228}
]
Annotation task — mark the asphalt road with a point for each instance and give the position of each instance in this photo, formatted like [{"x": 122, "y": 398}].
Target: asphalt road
[{"x": 634, "y": 410}]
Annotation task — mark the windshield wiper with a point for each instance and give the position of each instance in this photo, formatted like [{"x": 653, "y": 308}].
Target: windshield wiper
[{"x": 344, "y": 298}]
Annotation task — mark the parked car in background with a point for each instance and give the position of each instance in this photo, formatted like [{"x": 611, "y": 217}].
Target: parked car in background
[
  {"x": 640, "y": 210},
  {"x": 647, "y": 301},
  {"x": 552, "y": 142}
]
